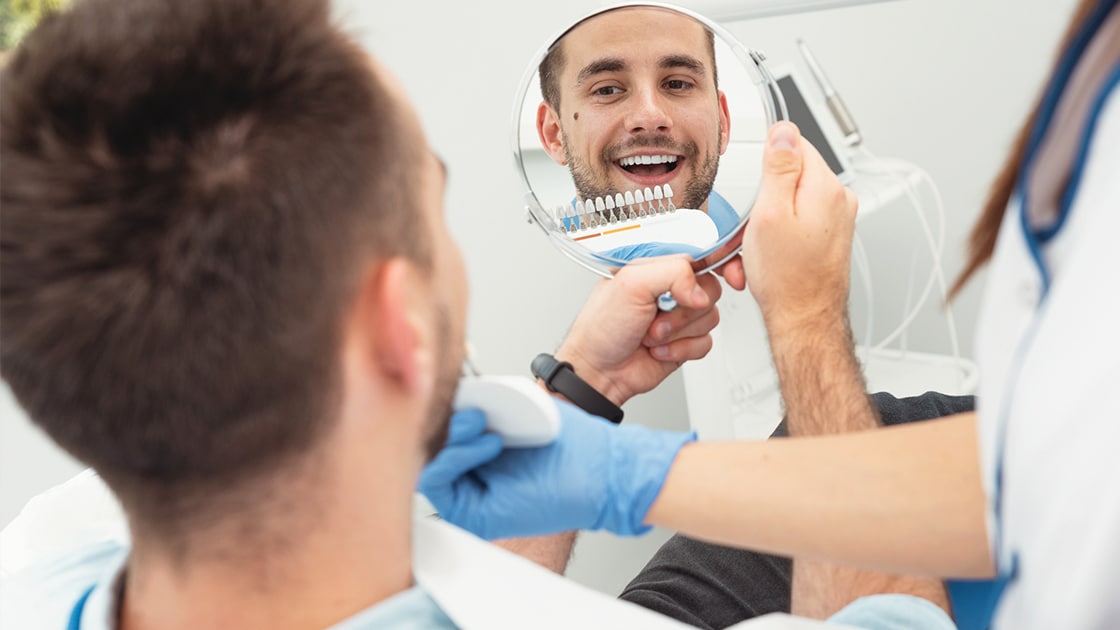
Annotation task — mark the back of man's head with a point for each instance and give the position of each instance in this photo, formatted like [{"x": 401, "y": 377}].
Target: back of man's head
[{"x": 190, "y": 191}]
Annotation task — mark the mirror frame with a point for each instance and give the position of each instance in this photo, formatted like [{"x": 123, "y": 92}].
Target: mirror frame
[{"x": 773, "y": 104}]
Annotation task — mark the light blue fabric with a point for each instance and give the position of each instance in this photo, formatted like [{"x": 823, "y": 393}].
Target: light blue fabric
[
  {"x": 43, "y": 595},
  {"x": 893, "y": 611},
  {"x": 411, "y": 610},
  {"x": 722, "y": 214}
]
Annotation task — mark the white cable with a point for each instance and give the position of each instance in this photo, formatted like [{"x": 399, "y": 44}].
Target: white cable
[
  {"x": 909, "y": 317},
  {"x": 935, "y": 245},
  {"x": 864, "y": 268},
  {"x": 903, "y": 342}
]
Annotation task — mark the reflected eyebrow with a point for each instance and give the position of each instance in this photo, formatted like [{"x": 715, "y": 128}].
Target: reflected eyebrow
[
  {"x": 609, "y": 64},
  {"x": 614, "y": 64},
  {"x": 681, "y": 61}
]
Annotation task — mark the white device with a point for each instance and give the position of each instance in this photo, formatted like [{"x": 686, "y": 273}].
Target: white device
[
  {"x": 820, "y": 133},
  {"x": 516, "y": 408}
]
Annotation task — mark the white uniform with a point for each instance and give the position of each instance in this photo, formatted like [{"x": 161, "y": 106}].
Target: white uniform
[{"x": 1049, "y": 397}]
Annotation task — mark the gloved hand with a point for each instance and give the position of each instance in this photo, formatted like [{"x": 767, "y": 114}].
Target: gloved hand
[{"x": 595, "y": 475}]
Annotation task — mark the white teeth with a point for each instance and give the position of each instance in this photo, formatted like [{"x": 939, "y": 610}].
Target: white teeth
[
  {"x": 609, "y": 209},
  {"x": 647, "y": 159}
]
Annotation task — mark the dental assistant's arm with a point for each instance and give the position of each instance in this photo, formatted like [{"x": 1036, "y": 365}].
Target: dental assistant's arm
[{"x": 905, "y": 499}]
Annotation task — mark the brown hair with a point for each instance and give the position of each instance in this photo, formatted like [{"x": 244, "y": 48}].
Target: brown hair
[
  {"x": 553, "y": 63},
  {"x": 191, "y": 191},
  {"x": 982, "y": 240}
]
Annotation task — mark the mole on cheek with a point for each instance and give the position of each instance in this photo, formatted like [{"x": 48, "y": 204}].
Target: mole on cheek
[{"x": 575, "y": 116}]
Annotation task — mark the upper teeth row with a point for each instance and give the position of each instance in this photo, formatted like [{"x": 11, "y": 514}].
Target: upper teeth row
[
  {"x": 589, "y": 213},
  {"x": 647, "y": 159}
]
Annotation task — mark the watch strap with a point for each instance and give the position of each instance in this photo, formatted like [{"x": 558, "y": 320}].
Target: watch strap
[{"x": 560, "y": 377}]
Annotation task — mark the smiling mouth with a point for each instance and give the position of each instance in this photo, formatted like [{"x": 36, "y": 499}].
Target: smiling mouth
[{"x": 648, "y": 165}]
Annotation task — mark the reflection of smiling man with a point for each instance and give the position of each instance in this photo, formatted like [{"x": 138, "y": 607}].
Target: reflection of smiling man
[{"x": 627, "y": 108}]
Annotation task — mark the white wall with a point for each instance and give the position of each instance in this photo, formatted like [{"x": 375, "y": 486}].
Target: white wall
[{"x": 942, "y": 83}]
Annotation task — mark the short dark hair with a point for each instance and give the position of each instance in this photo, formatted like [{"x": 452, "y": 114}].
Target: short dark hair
[
  {"x": 191, "y": 193},
  {"x": 548, "y": 72}
]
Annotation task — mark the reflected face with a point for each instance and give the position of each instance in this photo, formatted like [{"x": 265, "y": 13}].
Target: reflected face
[{"x": 637, "y": 106}]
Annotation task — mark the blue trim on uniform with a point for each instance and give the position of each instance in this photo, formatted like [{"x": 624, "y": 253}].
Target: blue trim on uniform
[
  {"x": 975, "y": 602},
  {"x": 1110, "y": 84},
  {"x": 1046, "y": 112},
  {"x": 75, "y": 622}
]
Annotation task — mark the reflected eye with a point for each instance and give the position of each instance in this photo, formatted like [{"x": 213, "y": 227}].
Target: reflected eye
[
  {"x": 678, "y": 85},
  {"x": 608, "y": 90}
]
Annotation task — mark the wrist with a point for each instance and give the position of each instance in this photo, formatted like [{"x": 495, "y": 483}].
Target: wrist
[
  {"x": 797, "y": 326},
  {"x": 593, "y": 376},
  {"x": 560, "y": 377},
  {"x": 641, "y": 459}
]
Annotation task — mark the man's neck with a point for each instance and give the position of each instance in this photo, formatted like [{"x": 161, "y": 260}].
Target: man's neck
[{"x": 327, "y": 567}]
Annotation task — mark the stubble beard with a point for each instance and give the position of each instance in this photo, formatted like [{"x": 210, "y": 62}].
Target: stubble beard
[
  {"x": 591, "y": 182},
  {"x": 447, "y": 382}
]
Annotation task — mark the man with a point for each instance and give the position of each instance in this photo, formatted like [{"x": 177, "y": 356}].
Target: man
[
  {"x": 627, "y": 108},
  {"x": 228, "y": 287},
  {"x": 776, "y": 495},
  {"x": 641, "y": 81}
]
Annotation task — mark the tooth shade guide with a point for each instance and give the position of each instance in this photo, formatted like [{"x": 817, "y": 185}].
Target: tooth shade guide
[
  {"x": 608, "y": 232},
  {"x": 590, "y": 213},
  {"x": 685, "y": 227}
]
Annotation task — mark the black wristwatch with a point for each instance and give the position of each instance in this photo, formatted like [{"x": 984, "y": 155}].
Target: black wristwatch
[{"x": 560, "y": 377}]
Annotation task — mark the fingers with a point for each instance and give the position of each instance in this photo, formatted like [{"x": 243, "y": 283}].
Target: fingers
[
  {"x": 646, "y": 279},
  {"x": 683, "y": 350},
  {"x": 466, "y": 425},
  {"x": 733, "y": 273},
  {"x": 682, "y": 345},
  {"x": 781, "y": 168},
  {"x": 668, "y": 325},
  {"x": 468, "y": 447},
  {"x": 817, "y": 176}
]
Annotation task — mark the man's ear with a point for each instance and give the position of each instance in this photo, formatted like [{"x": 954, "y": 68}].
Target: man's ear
[
  {"x": 548, "y": 130},
  {"x": 725, "y": 123},
  {"x": 399, "y": 324}
]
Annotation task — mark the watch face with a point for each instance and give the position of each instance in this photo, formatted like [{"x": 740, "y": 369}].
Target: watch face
[{"x": 544, "y": 366}]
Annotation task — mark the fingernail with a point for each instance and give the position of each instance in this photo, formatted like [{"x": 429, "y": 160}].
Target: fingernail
[
  {"x": 782, "y": 138},
  {"x": 660, "y": 352},
  {"x": 662, "y": 330}
]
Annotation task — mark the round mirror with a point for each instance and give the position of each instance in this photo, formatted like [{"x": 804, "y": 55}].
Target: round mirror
[{"x": 638, "y": 131}]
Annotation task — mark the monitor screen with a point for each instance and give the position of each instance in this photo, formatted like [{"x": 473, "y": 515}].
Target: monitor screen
[{"x": 803, "y": 117}]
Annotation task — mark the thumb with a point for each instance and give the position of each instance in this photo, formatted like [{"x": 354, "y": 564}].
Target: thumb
[{"x": 781, "y": 164}]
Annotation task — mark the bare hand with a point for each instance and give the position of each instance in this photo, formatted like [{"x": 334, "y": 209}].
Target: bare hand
[
  {"x": 797, "y": 244},
  {"x": 622, "y": 345}
]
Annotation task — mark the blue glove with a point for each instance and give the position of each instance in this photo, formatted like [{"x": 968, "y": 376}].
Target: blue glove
[{"x": 595, "y": 475}]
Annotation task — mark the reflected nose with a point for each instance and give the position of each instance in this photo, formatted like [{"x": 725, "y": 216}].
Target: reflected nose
[{"x": 648, "y": 114}]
